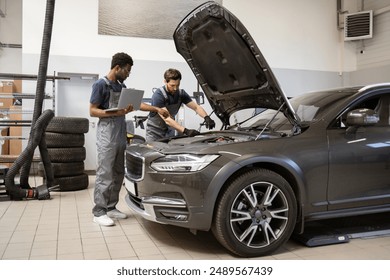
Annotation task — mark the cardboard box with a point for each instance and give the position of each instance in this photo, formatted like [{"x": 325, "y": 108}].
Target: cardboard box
[
  {"x": 4, "y": 143},
  {"x": 15, "y": 145},
  {"x": 18, "y": 86},
  {"x": 10, "y": 147},
  {"x": 6, "y": 88},
  {"x": 6, "y": 102}
]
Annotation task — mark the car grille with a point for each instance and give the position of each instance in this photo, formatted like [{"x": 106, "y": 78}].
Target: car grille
[{"x": 135, "y": 167}]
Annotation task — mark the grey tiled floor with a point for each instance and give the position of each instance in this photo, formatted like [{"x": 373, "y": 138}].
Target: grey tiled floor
[{"x": 61, "y": 228}]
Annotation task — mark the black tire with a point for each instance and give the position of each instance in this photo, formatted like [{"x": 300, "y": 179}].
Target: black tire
[
  {"x": 68, "y": 125},
  {"x": 61, "y": 140},
  {"x": 256, "y": 214},
  {"x": 63, "y": 169},
  {"x": 71, "y": 183},
  {"x": 67, "y": 154}
]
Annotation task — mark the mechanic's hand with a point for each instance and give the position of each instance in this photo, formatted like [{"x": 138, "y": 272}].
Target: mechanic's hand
[
  {"x": 126, "y": 110},
  {"x": 191, "y": 132},
  {"x": 129, "y": 108},
  {"x": 163, "y": 112},
  {"x": 210, "y": 124}
]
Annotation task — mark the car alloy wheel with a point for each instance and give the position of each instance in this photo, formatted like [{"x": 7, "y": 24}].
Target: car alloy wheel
[{"x": 256, "y": 214}]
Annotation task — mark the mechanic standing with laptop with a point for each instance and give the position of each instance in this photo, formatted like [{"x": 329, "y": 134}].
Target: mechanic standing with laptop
[{"x": 111, "y": 138}]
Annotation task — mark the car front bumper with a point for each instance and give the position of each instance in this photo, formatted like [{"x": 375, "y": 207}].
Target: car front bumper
[
  {"x": 155, "y": 208},
  {"x": 184, "y": 199}
]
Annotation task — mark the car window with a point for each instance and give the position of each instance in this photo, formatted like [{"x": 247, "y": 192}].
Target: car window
[
  {"x": 242, "y": 115},
  {"x": 383, "y": 110},
  {"x": 307, "y": 106},
  {"x": 306, "y": 113},
  {"x": 310, "y": 106}
]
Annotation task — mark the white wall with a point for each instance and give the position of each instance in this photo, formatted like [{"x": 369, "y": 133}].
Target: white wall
[
  {"x": 372, "y": 55},
  {"x": 11, "y": 33},
  {"x": 375, "y": 52},
  {"x": 299, "y": 34},
  {"x": 75, "y": 33}
]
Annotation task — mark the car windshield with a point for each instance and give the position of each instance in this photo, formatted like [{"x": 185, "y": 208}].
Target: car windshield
[{"x": 307, "y": 106}]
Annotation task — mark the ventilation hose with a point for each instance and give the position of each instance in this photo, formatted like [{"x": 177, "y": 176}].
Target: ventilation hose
[
  {"x": 38, "y": 125},
  {"x": 24, "y": 191}
]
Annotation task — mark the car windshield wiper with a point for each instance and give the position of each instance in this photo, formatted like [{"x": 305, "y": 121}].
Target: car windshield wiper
[{"x": 270, "y": 121}]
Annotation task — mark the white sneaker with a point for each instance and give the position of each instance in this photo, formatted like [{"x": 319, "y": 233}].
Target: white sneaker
[
  {"x": 104, "y": 221},
  {"x": 116, "y": 214}
]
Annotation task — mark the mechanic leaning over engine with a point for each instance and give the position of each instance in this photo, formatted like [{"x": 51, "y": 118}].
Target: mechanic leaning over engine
[{"x": 171, "y": 97}]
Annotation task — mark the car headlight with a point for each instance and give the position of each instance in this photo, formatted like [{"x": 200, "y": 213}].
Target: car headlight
[{"x": 182, "y": 162}]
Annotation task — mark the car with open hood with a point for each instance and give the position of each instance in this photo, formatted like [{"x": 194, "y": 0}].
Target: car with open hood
[{"x": 256, "y": 181}]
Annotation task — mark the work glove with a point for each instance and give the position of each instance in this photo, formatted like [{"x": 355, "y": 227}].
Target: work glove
[
  {"x": 190, "y": 132},
  {"x": 210, "y": 124}
]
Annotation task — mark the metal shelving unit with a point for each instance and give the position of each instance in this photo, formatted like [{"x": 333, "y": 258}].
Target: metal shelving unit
[{"x": 8, "y": 111}]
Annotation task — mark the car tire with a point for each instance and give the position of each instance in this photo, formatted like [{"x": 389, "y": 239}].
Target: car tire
[
  {"x": 65, "y": 142},
  {"x": 68, "y": 125},
  {"x": 71, "y": 183},
  {"x": 256, "y": 214},
  {"x": 62, "y": 140},
  {"x": 63, "y": 169},
  {"x": 67, "y": 154}
]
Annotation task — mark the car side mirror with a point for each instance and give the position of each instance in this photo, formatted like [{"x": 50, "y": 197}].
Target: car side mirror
[{"x": 361, "y": 117}]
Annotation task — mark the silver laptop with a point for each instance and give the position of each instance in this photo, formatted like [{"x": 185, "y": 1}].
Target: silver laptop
[{"x": 128, "y": 96}]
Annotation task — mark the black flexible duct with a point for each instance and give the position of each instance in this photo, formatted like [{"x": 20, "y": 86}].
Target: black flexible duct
[
  {"x": 38, "y": 128},
  {"x": 23, "y": 191},
  {"x": 44, "y": 60}
]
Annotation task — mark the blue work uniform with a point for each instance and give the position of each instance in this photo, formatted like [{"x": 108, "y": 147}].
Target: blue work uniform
[
  {"x": 111, "y": 145},
  {"x": 156, "y": 128}
]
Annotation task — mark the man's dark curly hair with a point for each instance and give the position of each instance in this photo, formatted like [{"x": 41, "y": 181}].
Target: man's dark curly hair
[
  {"x": 172, "y": 74},
  {"x": 121, "y": 59}
]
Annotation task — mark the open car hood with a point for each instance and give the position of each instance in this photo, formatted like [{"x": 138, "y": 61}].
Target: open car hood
[{"x": 228, "y": 64}]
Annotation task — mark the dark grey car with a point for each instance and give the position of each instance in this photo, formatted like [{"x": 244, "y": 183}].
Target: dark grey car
[{"x": 316, "y": 156}]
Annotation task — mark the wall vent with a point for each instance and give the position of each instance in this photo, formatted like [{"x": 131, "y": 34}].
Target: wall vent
[{"x": 358, "y": 26}]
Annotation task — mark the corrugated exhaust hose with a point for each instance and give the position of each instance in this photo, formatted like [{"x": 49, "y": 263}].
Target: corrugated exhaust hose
[
  {"x": 38, "y": 127},
  {"x": 38, "y": 138}
]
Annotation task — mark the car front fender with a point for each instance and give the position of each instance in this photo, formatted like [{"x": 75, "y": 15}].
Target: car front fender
[{"x": 284, "y": 166}]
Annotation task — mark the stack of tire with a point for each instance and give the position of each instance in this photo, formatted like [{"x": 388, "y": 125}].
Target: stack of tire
[{"x": 65, "y": 141}]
